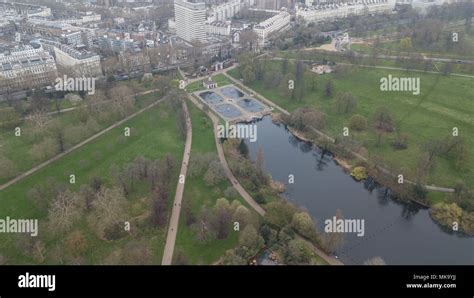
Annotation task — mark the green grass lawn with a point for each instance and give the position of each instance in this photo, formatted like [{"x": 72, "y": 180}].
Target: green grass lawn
[
  {"x": 392, "y": 47},
  {"x": 220, "y": 79},
  {"x": 319, "y": 56},
  {"x": 154, "y": 134},
  {"x": 17, "y": 149},
  {"x": 199, "y": 195},
  {"x": 445, "y": 102}
]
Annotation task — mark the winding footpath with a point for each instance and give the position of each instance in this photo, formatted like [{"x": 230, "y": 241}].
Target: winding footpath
[
  {"x": 243, "y": 193},
  {"x": 178, "y": 197}
]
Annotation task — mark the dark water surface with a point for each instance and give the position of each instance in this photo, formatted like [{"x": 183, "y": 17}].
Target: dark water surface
[{"x": 398, "y": 232}]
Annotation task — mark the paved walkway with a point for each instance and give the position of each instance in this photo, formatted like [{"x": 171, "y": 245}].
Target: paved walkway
[
  {"x": 220, "y": 152},
  {"x": 243, "y": 193},
  {"x": 174, "y": 221},
  {"x": 100, "y": 133}
]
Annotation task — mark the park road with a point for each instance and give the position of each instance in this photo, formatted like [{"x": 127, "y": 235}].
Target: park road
[{"x": 174, "y": 221}]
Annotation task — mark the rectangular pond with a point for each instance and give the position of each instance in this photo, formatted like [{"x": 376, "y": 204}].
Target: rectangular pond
[
  {"x": 231, "y": 92},
  {"x": 211, "y": 97},
  {"x": 250, "y": 105},
  {"x": 228, "y": 110}
]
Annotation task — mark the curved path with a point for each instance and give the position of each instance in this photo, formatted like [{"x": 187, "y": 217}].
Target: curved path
[
  {"x": 178, "y": 197},
  {"x": 220, "y": 152},
  {"x": 245, "y": 195}
]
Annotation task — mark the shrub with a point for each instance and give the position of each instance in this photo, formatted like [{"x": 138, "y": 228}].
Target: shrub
[
  {"x": 359, "y": 173},
  {"x": 358, "y": 122}
]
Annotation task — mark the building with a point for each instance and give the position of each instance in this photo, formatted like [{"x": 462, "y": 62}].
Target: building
[
  {"x": 273, "y": 24},
  {"x": 26, "y": 9},
  {"x": 81, "y": 63},
  {"x": 321, "y": 69},
  {"x": 26, "y": 68},
  {"x": 209, "y": 84},
  {"x": 190, "y": 18},
  {"x": 226, "y": 10},
  {"x": 218, "y": 28},
  {"x": 274, "y": 4},
  {"x": 329, "y": 12}
]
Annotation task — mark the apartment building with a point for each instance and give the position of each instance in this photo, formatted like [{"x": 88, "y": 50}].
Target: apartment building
[
  {"x": 80, "y": 62},
  {"x": 26, "y": 68},
  {"x": 327, "y": 12},
  {"x": 273, "y": 24},
  {"x": 190, "y": 19}
]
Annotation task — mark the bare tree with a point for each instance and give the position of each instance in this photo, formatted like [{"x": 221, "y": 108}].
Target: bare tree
[
  {"x": 109, "y": 210},
  {"x": 64, "y": 211}
]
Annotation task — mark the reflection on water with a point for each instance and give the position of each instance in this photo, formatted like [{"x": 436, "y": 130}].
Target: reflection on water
[
  {"x": 211, "y": 97},
  {"x": 250, "y": 105},
  {"x": 228, "y": 110},
  {"x": 231, "y": 92},
  {"x": 400, "y": 233}
]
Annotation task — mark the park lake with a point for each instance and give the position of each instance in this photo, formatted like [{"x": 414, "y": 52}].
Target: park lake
[{"x": 399, "y": 232}]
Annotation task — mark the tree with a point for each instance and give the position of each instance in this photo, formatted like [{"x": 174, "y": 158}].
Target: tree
[
  {"x": 9, "y": 118},
  {"x": 160, "y": 206},
  {"x": 401, "y": 142},
  {"x": 304, "y": 225},
  {"x": 109, "y": 210},
  {"x": 222, "y": 219},
  {"x": 345, "y": 103},
  {"x": 44, "y": 149},
  {"x": 122, "y": 99},
  {"x": 248, "y": 39},
  {"x": 202, "y": 227},
  {"x": 250, "y": 242},
  {"x": 329, "y": 88},
  {"x": 57, "y": 131},
  {"x": 305, "y": 118},
  {"x": 63, "y": 212},
  {"x": 243, "y": 216},
  {"x": 279, "y": 214},
  {"x": 298, "y": 253},
  {"x": 383, "y": 119},
  {"x": 405, "y": 44},
  {"x": 358, "y": 122},
  {"x": 243, "y": 149},
  {"x": 214, "y": 174},
  {"x": 231, "y": 193},
  {"x": 38, "y": 251},
  {"x": 248, "y": 74}
]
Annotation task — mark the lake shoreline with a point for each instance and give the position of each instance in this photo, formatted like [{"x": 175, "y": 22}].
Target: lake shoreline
[{"x": 347, "y": 167}]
